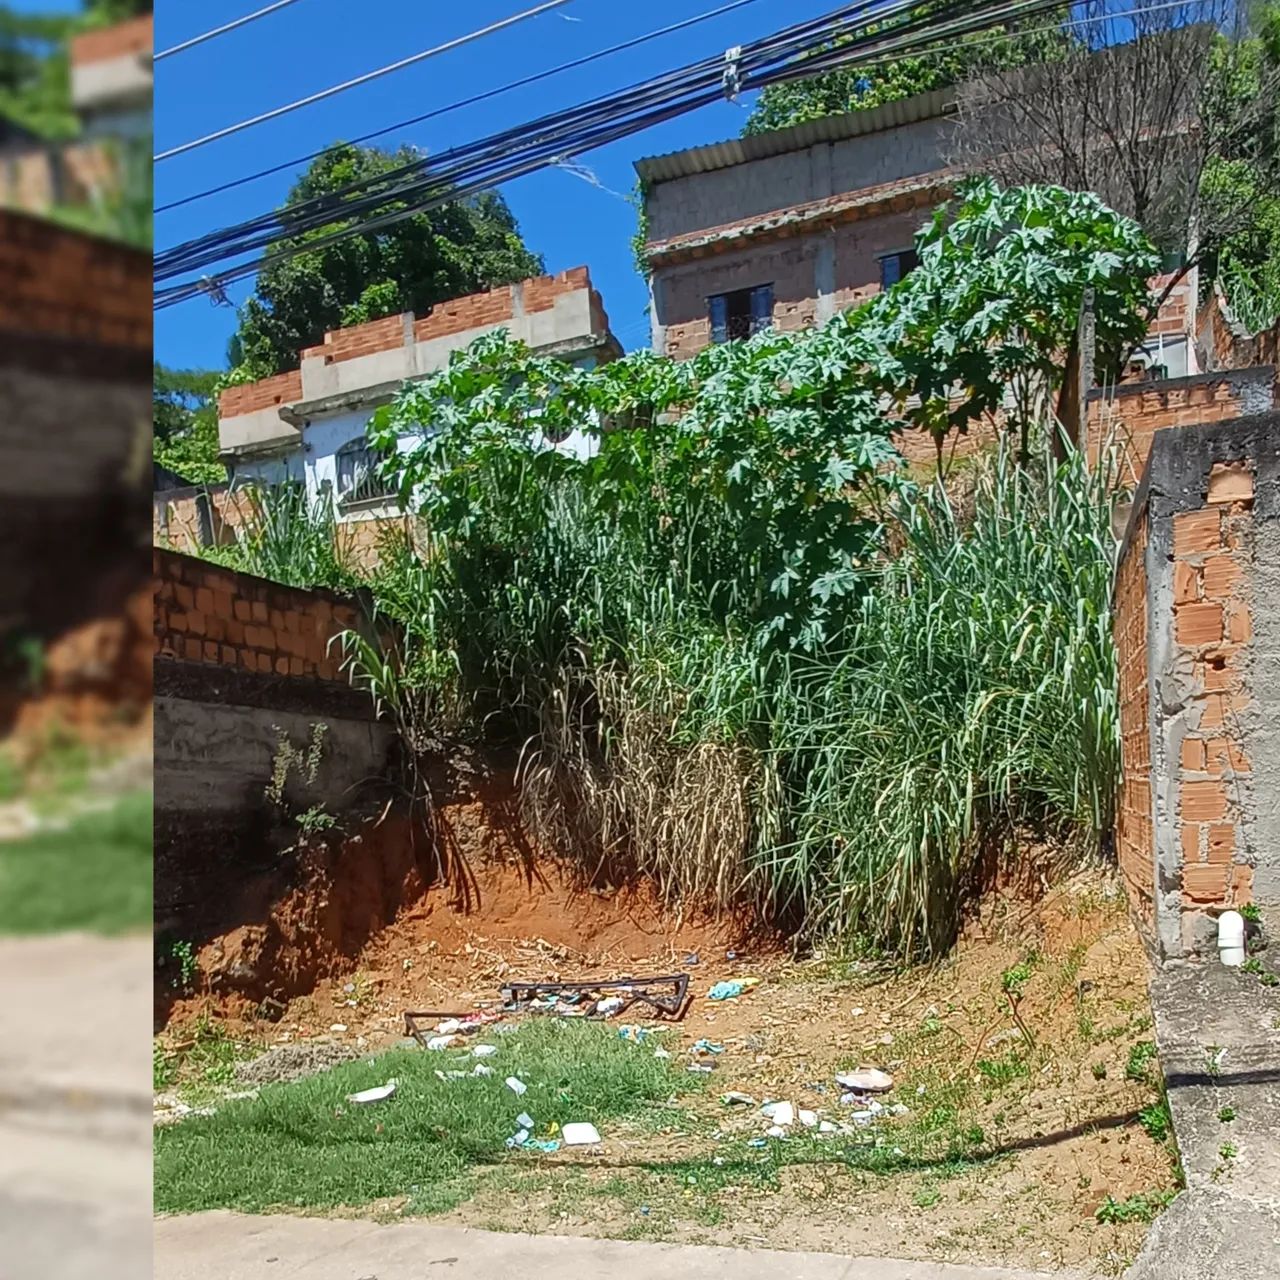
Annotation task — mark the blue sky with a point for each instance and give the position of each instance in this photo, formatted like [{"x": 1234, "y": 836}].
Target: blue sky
[{"x": 315, "y": 43}]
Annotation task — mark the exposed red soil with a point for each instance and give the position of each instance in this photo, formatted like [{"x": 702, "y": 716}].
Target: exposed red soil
[{"x": 363, "y": 907}]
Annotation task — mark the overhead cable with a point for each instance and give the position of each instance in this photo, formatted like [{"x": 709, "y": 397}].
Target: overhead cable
[
  {"x": 369, "y": 205},
  {"x": 222, "y": 30},
  {"x": 368, "y": 76},
  {"x": 464, "y": 102}
]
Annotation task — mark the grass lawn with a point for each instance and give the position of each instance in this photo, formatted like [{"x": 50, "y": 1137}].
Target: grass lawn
[
  {"x": 94, "y": 874},
  {"x": 304, "y": 1145}
]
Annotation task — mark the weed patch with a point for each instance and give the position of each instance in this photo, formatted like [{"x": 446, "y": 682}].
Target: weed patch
[
  {"x": 304, "y": 1145},
  {"x": 94, "y": 874}
]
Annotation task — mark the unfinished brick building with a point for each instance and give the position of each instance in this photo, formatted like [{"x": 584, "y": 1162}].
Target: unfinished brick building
[{"x": 785, "y": 229}]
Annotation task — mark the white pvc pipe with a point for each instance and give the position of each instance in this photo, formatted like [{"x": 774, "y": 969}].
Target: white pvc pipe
[{"x": 1231, "y": 939}]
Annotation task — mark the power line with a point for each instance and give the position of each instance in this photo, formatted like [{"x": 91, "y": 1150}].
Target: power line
[
  {"x": 465, "y": 102},
  {"x": 377, "y": 203},
  {"x": 565, "y": 125},
  {"x": 482, "y": 165},
  {"x": 368, "y": 76},
  {"x": 222, "y": 30}
]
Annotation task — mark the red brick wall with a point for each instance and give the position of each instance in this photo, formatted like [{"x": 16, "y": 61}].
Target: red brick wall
[
  {"x": 62, "y": 284},
  {"x": 474, "y": 311},
  {"x": 283, "y": 388},
  {"x": 1135, "y": 837},
  {"x": 1125, "y": 418},
  {"x": 1212, "y": 632},
  {"x": 1193, "y": 691},
  {"x": 211, "y": 615}
]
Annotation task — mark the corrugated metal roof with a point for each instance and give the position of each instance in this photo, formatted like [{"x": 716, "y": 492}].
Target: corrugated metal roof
[{"x": 759, "y": 146}]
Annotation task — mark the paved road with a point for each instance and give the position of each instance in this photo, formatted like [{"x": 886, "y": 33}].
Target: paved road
[
  {"x": 75, "y": 1111},
  {"x": 225, "y": 1246}
]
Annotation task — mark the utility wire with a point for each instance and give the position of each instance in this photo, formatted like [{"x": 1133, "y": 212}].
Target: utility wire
[
  {"x": 222, "y": 30},
  {"x": 566, "y": 124},
  {"x": 410, "y": 199},
  {"x": 462, "y": 169},
  {"x": 380, "y": 202},
  {"x": 466, "y": 102},
  {"x": 368, "y": 76}
]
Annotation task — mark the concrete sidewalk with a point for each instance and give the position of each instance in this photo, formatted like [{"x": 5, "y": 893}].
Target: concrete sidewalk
[
  {"x": 75, "y": 1108},
  {"x": 226, "y": 1246}
]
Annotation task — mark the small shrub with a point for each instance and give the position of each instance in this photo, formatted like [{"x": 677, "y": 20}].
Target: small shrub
[
  {"x": 1142, "y": 1207},
  {"x": 1156, "y": 1121},
  {"x": 1004, "y": 1071},
  {"x": 1226, "y": 1114},
  {"x": 1141, "y": 1055},
  {"x": 1099, "y": 1070}
]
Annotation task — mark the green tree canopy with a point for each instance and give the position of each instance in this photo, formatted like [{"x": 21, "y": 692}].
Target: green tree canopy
[
  {"x": 459, "y": 248},
  {"x": 859, "y": 88},
  {"x": 185, "y": 423}
]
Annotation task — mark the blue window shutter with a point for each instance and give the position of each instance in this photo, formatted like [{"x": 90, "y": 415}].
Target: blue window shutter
[
  {"x": 890, "y": 270},
  {"x": 761, "y": 307},
  {"x": 718, "y": 305}
]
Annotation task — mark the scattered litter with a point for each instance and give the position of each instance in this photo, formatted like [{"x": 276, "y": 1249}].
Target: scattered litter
[
  {"x": 776, "y": 1131},
  {"x": 339, "y": 1027},
  {"x": 735, "y": 1099},
  {"x": 451, "y": 1075},
  {"x": 730, "y": 955},
  {"x": 691, "y": 959},
  {"x": 660, "y": 1052},
  {"x": 525, "y": 1120},
  {"x": 825, "y": 1126},
  {"x": 706, "y": 1046},
  {"x": 633, "y": 1033},
  {"x": 857, "y": 1011},
  {"x": 731, "y": 989},
  {"x": 517, "y": 1086},
  {"x": 483, "y": 1050},
  {"x": 541, "y": 1144},
  {"x": 519, "y": 1138},
  {"x": 782, "y": 1113},
  {"x": 756, "y": 1142},
  {"x": 701, "y": 1068},
  {"x": 449, "y": 1026},
  {"x": 808, "y": 1118},
  {"x": 865, "y": 1080},
  {"x": 665, "y": 995},
  {"x": 580, "y": 1134},
  {"x": 379, "y": 1093},
  {"x": 441, "y": 1042},
  {"x": 481, "y": 1070}
]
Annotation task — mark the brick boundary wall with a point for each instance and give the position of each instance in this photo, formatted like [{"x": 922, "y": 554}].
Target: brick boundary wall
[
  {"x": 209, "y": 615},
  {"x": 1127, "y": 417},
  {"x": 1197, "y": 628},
  {"x": 80, "y": 289}
]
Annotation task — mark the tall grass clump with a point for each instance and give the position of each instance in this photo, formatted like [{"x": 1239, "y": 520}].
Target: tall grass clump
[
  {"x": 971, "y": 706},
  {"x": 284, "y": 534}
]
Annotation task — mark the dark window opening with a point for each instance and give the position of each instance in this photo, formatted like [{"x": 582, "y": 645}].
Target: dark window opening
[
  {"x": 894, "y": 266},
  {"x": 359, "y": 476},
  {"x": 741, "y": 313}
]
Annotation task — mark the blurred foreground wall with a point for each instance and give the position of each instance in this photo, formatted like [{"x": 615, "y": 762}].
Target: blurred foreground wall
[{"x": 75, "y": 369}]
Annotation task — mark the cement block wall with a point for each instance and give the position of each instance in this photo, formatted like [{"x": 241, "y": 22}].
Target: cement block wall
[
  {"x": 240, "y": 665},
  {"x": 1197, "y": 626}
]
